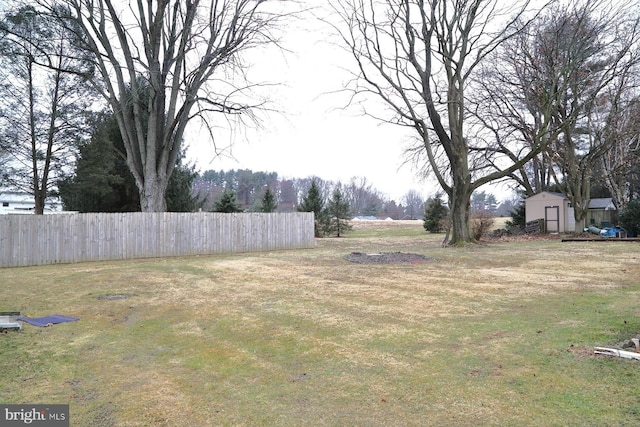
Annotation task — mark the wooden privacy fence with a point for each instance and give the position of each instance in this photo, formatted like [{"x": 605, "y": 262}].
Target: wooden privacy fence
[{"x": 67, "y": 238}]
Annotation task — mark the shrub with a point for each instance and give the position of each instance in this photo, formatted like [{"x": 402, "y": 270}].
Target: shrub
[
  {"x": 481, "y": 222},
  {"x": 630, "y": 218}
]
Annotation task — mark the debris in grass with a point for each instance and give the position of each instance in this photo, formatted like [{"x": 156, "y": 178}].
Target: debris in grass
[
  {"x": 116, "y": 296},
  {"x": 634, "y": 345},
  {"x": 618, "y": 353},
  {"x": 386, "y": 258},
  {"x": 9, "y": 321},
  {"x": 47, "y": 320}
]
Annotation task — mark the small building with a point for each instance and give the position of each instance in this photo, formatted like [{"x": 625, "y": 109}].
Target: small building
[
  {"x": 602, "y": 213},
  {"x": 554, "y": 209},
  {"x": 557, "y": 214},
  {"x": 15, "y": 202}
]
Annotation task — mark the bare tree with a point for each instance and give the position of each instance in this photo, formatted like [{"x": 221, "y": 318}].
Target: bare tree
[
  {"x": 163, "y": 63},
  {"x": 43, "y": 95},
  {"x": 363, "y": 199},
  {"x": 414, "y": 205},
  {"x": 597, "y": 47},
  {"x": 418, "y": 57},
  {"x": 620, "y": 164},
  {"x": 514, "y": 97},
  {"x": 605, "y": 55},
  {"x": 562, "y": 84}
]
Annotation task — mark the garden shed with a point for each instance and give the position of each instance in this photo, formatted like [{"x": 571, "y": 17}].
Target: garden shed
[
  {"x": 554, "y": 208},
  {"x": 556, "y": 211},
  {"x": 602, "y": 213}
]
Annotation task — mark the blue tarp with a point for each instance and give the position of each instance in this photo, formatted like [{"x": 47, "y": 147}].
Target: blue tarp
[
  {"x": 47, "y": 320},
  {"x": 612, "y": 232}
]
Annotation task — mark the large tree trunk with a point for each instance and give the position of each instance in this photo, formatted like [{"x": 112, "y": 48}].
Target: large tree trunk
[
  {"x": 578, "y": 191},
  {"x": 580, "y": 198},
  {"x": 460, "y": 193},
  {"x": 460, "y": 206},
  {"x": 152, "y": 193},
  {"x": 580, "y": 217}
]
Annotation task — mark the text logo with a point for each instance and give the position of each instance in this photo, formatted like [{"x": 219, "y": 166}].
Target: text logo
[{"x": 34, "y": 415}]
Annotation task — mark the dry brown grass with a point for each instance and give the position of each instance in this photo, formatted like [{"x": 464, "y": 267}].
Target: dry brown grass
[{"x": 491, "y": 334}]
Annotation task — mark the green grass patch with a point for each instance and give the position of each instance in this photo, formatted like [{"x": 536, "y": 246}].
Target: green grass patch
[{"x": 493, "y": 334}]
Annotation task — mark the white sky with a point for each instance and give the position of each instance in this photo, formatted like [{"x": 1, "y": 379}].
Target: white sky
[{"x": 313, "y": 135}]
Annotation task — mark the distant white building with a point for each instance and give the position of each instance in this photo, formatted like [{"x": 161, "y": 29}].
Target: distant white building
[{"x": 14, "y": 202}]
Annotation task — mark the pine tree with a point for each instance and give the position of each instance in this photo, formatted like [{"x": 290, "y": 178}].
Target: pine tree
[
  {"x": 434, "y": 214},
  {"x": 268, "y": 203},
  {"x": 178, "y": 195},
  {"x": 630, "y": 218},
  {"x": 338, "y": 212},
  {"x": 518, "y": 220},
  {"x": 312, "y": 202},
  {"x": 227, "y": 203}
]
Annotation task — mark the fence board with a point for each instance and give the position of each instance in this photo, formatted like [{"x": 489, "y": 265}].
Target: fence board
[{"x": 67, "y": 238}]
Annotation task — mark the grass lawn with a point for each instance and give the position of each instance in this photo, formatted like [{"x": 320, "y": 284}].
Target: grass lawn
[{"x": 494, "y": 334}]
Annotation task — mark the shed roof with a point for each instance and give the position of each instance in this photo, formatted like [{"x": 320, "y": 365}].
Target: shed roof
[
  {"x": 605, "y": 203},
  {"x": 545, "y": 194},
  {"x": 602, "y": 203}
]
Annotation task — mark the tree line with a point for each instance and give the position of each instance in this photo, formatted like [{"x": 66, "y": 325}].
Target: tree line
[
  {"x": 101, "y": 182},
  {"x": 541, "y": 95},
  {"x": 249, "y": 188}
]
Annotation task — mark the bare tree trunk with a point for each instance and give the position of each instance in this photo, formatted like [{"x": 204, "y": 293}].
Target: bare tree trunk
[
  {"x": 579, "y": 193},
  {"x": 152, "y": 195},
  {"x": 460, "y": 207},
  {"x": 35, "y": 180}
]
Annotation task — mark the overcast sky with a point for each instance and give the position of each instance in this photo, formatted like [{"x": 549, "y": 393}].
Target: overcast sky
[{"x": 314, "y": 135}]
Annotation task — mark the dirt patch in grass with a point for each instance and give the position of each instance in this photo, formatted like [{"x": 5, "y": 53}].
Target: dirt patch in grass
[
  {"x": 111, "y": 297},
  {"x": 386, "y": 258}
]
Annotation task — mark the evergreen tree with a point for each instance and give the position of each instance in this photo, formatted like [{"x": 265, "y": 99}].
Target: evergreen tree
[
  {"x": 227, "y": 203},
  {"x": 337, "y": 215},
  {"x": 371, "y": 209},
  {"x": 101, "y": 181},
  {"x": 312, "y": 202},
  {"x": 269, "y": 203},
  {"x": 518, "y": 220},
  {"x": 179, "y": 196},
  {"x": 630, "y": 218},
  {"x": 434, "y": 214}
]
